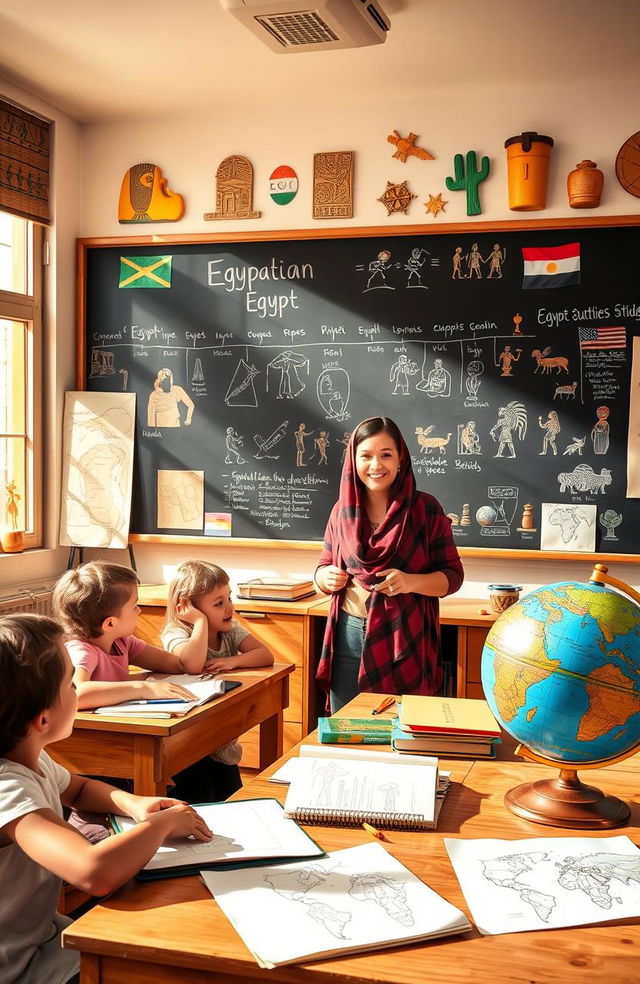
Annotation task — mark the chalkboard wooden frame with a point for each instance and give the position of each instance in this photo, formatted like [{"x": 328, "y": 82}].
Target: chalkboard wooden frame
[{"x": 85, "y": 245}]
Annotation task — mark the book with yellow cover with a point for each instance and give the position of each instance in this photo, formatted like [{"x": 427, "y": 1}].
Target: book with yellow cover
[{"x": 448, "y": 716}]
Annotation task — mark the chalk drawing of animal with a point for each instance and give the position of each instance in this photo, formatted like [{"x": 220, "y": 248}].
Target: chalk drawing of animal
[
  {"x": 565, "y": 391},
  {"x": 544, "y": 362},
  {"x": 576, "y": 446},
  {"x": 584, "y": 479},
  {"x": 429, "y": 443}
]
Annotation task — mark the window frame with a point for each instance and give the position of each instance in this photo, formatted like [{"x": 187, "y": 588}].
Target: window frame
[{"x": 27, "y": 308}]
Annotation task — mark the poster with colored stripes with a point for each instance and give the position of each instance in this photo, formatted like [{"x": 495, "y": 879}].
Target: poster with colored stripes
[{"x": 551, "y": 266}]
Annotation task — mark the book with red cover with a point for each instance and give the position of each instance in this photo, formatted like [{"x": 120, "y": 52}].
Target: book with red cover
[{"x": 447, "y": 716}]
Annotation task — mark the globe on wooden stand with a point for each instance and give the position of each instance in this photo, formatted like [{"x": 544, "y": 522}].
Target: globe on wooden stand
[{"x": 583, "y": 639}]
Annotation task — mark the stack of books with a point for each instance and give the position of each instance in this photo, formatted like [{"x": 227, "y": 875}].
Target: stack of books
[
  {"x": 276, "y": 589},
  {"x": 446, "y": 726}
]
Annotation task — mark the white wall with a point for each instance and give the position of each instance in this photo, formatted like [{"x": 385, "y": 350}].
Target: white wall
[
  {"x": 586, "y": 117},
  {"x": 59, "y": 316}
]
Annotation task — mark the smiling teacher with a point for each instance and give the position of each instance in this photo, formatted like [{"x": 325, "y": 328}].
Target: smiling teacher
[{"x": 388, "y": 556}]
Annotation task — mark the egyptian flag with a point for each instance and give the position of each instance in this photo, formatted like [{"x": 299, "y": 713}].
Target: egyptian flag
[{"x": 551, "y": 266}]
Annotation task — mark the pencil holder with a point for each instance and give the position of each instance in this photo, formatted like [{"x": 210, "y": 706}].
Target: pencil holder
[
  {"x": 503, "y": 596},
  {"x": 528, "y": 170}
]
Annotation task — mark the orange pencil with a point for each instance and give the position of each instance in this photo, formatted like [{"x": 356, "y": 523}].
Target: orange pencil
[
  {"x": 374, "y": 831},
  {"x": 384, "y": 703}
]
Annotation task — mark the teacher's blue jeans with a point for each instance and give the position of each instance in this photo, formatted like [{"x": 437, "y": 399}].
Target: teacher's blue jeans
[{"x": 348, "y": 644}]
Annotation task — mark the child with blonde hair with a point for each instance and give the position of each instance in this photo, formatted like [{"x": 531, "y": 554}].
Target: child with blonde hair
[
  {"x": 37, "y": 848},
  {"x": 200, "y": 626},
  {"x": 97, "y": 605}
]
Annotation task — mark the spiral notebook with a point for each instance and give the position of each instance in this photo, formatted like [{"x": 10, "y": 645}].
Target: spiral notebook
[{"x": 345, "y": 792}]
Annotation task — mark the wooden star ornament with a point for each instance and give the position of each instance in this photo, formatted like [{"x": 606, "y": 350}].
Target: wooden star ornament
[
  {"x": 435, "y": 204},
  {"x": 407, "y": 147},
  {"x": 396, "y": 198}
]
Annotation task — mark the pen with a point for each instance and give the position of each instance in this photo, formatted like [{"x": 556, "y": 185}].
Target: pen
[
  {"x": 163, "y": 700},
  {"x": 374, "y": 831},
  {"x": 384, "y": 703}
]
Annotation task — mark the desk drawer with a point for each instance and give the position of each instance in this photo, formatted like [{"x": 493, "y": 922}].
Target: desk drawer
[{"x": 283, "y": 634}]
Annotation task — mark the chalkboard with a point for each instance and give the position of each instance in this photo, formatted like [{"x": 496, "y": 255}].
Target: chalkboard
[{"x": 253, "y": 358}]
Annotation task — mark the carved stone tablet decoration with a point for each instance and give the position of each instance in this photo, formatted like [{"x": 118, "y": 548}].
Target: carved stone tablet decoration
[
  {"x": 234, "y": 190},
  {"x": 628, "y": 165},
  {"x": 333, "y": 185}
]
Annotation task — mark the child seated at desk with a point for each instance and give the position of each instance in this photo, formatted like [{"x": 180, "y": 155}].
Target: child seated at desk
[
  {"x": 199, "y": 625},
  {"x": 38, "y": 849},
  {"x": 98, "y": 606}
]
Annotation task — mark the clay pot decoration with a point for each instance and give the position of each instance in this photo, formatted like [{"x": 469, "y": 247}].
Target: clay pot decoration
[
  {"x": 528, "y": 170},
  {"x": 584, "y": 185},
  {"x": 12, "y": 541}
]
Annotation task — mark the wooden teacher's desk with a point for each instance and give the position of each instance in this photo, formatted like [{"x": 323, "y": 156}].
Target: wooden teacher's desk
[
  {"x": 150, "y": 751},
  {"x": 167, "y": 931}
]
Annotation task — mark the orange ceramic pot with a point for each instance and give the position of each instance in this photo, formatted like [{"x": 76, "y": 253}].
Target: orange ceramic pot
[
  {"x": 584, "y": 185},
  {"x": 12, "y": 541},
  {"x": 528, "y": 170}
]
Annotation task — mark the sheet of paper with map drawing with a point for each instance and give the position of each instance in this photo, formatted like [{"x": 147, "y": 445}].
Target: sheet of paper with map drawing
[
  {"x": 361, "y": 898},
  {"x": 547, "y": 882},
  {"x": 568, "y": 526}
]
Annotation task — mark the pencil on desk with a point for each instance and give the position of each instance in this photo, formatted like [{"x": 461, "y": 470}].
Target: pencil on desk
[
  {"x": 374, "y": 831},
  {"x": 382, "y": 706}
]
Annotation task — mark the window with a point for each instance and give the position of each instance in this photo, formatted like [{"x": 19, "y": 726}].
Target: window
[{"x": 21, "y": 375}]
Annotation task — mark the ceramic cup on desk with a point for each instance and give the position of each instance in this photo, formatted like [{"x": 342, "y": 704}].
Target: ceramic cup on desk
[{"x": 503, "y": 596}]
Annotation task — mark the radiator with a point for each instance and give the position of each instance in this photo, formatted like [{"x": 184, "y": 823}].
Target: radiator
[{"x": 34, "y": 596}]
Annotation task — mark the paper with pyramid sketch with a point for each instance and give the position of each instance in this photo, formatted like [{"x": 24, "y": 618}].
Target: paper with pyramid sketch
[
  {"x": 547, "y": 882},
  {"x": 361, "y": 898}
]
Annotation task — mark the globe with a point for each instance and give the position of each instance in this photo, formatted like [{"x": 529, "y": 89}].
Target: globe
[{"x": 561, "y": 673}]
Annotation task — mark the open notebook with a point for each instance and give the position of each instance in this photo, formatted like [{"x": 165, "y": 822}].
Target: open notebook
[
  {"x": 347, "y": 787},
  {"x": 357, "y": 899},
  {"x": 252, "y": 831},
  {"x": 204, "y": 688}
]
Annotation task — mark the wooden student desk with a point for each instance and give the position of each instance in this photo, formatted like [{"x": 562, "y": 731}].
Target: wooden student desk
[
  {"x": 151, "y": 751},
  {"x": 167, "y": 931}
]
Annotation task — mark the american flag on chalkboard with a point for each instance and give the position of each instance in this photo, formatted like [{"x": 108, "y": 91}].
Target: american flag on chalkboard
[{"x": 603, "y": 338}]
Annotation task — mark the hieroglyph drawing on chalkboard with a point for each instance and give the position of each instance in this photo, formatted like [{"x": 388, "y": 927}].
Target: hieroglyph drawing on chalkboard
[
  {"x": 567, "y": 527},
  {"x": 609, "y": 520},
  {"x": 233, "y": 442},
  {"x": 584, "y": 479},
  {"x": 321, "y": 443},
  {"x": 97, "y": 469},
  {"x": 180, "y": 500},
  {"x": 437, "y": 381},
  {"x": 300, "y": 435},
  {"x": 633, "y": 437},
  {"x": 506, "y": 359},
  {"x": 428, "y": 443},
  {"x": 197, "y": 376},
  {"x": 600, "y": 431},
  {"x": 568, "y": 391},
  {"x": 377, "y": 270},
  {"x": 511, "y": 419},
  {"x": 468, "y": 266},
  {"x": 551, "y": 427},
  {"x": 334, "y": 390},
  {"x": 266, "y": 444},
  {"x": 288, "y": 365},
  {"x": 401, "y": 369},
  {"x": 547, "y": 363},
  {"x": 468, "y": 439},
  {"x": 241, "y": 391},
  {"x": 414, "y": 264},
  {"x": 164, "y": 400},
  {"x": 575, "y": 446},
  {"x": 475, "y": 369}
]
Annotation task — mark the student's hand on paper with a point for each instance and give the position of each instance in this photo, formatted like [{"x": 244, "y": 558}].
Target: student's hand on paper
[
  {"x": 186, "y": 822},
  {"x": 187, "y": 612},
  {"x": 142, "y": 807},
  {"x": 331, "y": 578},
  {"x": 163, "y": 690},
  {"x": 395, "y": 582}
]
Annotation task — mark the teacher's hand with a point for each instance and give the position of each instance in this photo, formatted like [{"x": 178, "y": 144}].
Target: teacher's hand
[
  {"x": 331, "y": 578},
  {"x": 395, "y": 582}
]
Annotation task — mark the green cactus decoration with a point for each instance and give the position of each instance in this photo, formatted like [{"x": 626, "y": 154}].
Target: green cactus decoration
[{"x": 470, "y": 180}]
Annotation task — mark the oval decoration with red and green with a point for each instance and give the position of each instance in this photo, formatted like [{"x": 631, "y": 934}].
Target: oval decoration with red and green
[{"x": 283, "y": 184}]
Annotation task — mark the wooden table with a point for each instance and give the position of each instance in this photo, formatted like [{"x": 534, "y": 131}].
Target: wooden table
[
  {"x": 172, "y": 930},
  {"x": 151, "y": 751}
]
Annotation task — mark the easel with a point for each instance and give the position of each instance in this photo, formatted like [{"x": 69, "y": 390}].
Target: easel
[{"x": 72, "y": 554}]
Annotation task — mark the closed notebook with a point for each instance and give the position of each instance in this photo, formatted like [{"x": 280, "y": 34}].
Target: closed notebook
[
  {"x": 354, "y": 731},
  {"x": 425, "y": 744},
  {"x": 253, "y": 831},
  {"x": 357, "y": 899},
  {"x": 274, "y": 590},
  {"x": 345, "y": 791},
  {"x": 448, "y": 715}
]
